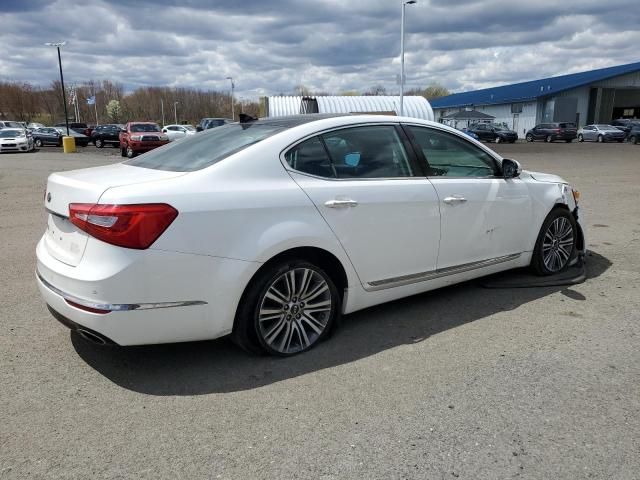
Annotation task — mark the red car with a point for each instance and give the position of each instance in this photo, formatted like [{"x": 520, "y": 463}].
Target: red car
[{"x": 140, "y": 137}]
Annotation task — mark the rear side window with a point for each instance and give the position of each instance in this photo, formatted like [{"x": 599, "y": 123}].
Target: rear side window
[
  {"x": 206, "y": 148},
  {"x": 357, "y": 152},
  {"x": 452, "y": 156},
  {"x": 567, "y": 125}
]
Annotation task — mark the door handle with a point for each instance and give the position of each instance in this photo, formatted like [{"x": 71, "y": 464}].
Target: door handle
[
  {"x": 454, "y": 200},
  {"x": 340, "y": 203}
]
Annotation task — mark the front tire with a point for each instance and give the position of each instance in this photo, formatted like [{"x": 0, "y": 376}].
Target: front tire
[
  {"x": 556, "y": 243},
  {"x": 529, "y": 138},
  {"x": 130, "y": 153},
  {"x": 38, "y": 143},
  {"x": 99, "y": 143},
  {"x": 600, "y": 139},
  {"x": 580, "y": 138},
  {"x": 287, "y": 309},
  {"x": 497, "y": 140}
]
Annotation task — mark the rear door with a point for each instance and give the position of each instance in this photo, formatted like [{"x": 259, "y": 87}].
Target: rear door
[
  {"x": 483, "y": 216},
  {"x": 368, "y": 188}
]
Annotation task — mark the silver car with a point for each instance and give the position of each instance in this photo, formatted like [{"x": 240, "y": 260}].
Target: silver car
[{"x": 600, "y": 133}]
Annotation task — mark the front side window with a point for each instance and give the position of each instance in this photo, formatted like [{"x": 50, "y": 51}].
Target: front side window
[{"x": 451, "y": 156}]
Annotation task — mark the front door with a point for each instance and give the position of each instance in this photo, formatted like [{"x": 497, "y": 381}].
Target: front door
[
  {"x": 483, "y": 216},
  {"x": 382, "y": 210}
]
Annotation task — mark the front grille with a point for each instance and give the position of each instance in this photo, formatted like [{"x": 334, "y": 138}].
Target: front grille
[{"x": 150, "y": 138}]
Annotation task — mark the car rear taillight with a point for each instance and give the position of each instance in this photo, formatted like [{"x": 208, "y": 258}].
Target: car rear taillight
[{"x": 131, "y": 226}]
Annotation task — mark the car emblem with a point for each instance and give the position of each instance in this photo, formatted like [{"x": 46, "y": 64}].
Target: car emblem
[{"x": 49, "y": 197}]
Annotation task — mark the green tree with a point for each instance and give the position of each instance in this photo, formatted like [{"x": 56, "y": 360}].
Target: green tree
[{"x": 114, "y": 110}]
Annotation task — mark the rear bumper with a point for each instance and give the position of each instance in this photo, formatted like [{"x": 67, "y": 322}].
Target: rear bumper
[{"x": 144, "y": 297}]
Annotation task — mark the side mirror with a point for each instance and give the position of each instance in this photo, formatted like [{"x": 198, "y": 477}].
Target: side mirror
[
  {"x": 511, "y": 168},
  {"x": 198, "y": 128}
]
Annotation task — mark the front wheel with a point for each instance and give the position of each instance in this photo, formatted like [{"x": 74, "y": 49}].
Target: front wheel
[
  {"x": 498, "y": 140},
  {"x": 529, "y": 138},
  {"x": 600, "y": 139},
  {"x": 287, "y": 309},
  {"x": 38, "y": 143},
  {"x": 130, "y": 152},
  {"x": 580, "y": 138},
  {"x": 555, "y": 244},
  {"x": 99, "y": 143}
]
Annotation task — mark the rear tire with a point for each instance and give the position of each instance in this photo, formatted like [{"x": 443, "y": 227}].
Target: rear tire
[
  {"x": 633, "y": 139},
  {"x": 277, "y": 319},
  {"x": 600, "y": 139},
  {"x": 549, "y": 139},
  {"x": 497, "y": 140},
  {"x": 580, "y": 138},
  {"x": 556, "y": 243}
]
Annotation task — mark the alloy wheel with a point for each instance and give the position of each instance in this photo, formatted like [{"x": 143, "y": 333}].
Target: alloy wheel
[
  {"x": 529, "y": 138},
  {"x": 557, "y": 245},
  {"x": 38, "y": 142},
  {"x": 295, "y": 311},
  {"x": 549, "y": 139}
]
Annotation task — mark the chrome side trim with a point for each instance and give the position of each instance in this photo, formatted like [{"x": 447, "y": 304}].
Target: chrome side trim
[
  {"x": 433, "y": 274},
  {"x": 117, "y": 307}
]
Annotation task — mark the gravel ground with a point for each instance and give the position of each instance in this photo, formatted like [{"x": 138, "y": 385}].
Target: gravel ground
[{"x": 463, "y": 382}]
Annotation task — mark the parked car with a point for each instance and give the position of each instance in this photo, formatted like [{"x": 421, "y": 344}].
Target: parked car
[
  {"x": 80, "y": 139},
  {"x": 46, "y": 136},
  {"x": 469, "y": 133},
  {"x": 33, "y": 125},
  {"x": 207, "y": 123},
  {"x": 600, "y": 133},
  {"x": 625, "y": 124},
  {"x": 493, "y": 133},
  {"x": 15, "y": 140},
  {"x": 79, "y": 127},
  {"x": 550, "y": 132},
  {"x": 175, "y": 132},
  {"x": 634, "y": 134},
  {"x": 106, "y": 135},
  {"x": 244, "y": 229},
  {"x": 140, "y": 137},
  {"x": 10, "y": 124}
]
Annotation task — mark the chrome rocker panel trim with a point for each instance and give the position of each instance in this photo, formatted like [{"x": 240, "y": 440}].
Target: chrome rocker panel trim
[
  {"x": 117, "y": 307},
  {"x": 433, "y": 274}
]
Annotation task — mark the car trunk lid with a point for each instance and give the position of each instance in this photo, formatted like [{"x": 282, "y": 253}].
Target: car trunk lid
[{"x": 63, "y": 240}]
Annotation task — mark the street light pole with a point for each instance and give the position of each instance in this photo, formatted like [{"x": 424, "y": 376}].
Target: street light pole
[
  {"x": 64, "y": 95},
  {"x": 175, "y": 112},
  {"x": 404, "y": 4},
  {"x": 233, "y": 109}
]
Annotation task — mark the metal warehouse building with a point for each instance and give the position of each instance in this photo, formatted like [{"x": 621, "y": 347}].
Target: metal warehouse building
[
  {"x": 278, "y": 106},
  {"x": 596, "y": 96}
]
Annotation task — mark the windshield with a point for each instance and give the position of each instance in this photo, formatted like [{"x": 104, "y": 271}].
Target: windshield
[
  {"x": 190, "y": 128},
  {"x": 606, "y": 127},
  {"x": 12, "y": 125},
  {"x": 11, "y": 133},
  {"x": 145, "y": 127},
  {"x": 207, "y": 148}
]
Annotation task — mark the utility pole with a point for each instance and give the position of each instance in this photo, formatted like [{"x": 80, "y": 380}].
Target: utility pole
[
  {"x": 233, "y": 109},
  {"x": 64, "y": 95},
  {"x": 404, "y": 4}
]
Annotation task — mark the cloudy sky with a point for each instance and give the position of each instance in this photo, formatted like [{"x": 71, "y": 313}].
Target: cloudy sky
[{"x": 269, "y": 46}]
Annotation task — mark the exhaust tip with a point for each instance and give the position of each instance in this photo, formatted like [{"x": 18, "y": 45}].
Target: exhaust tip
[{"x": 91, "y": 337}]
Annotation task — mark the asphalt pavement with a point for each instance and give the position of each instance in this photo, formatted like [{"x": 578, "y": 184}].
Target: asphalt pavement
[{"x": 465, "y": 382}]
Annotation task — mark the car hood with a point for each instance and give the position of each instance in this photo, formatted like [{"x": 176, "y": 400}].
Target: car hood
[{"x": 545, "y": 177}]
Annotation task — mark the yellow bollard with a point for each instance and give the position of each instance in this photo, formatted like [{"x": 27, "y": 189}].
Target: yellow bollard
[{"x": 68, "y": 144}]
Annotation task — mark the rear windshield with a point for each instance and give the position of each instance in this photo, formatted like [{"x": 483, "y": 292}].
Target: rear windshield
[{"x": 204, "y": 149}]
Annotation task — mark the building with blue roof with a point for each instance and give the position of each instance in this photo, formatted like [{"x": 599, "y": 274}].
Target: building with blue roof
[{"x": 596, "y": 96}]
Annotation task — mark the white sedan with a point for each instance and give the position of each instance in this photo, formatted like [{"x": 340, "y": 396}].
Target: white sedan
[
  {"x": 269, "y": 230},
  {"x": 15, "y": 140},
  {"x": 176, "y": 132}
]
